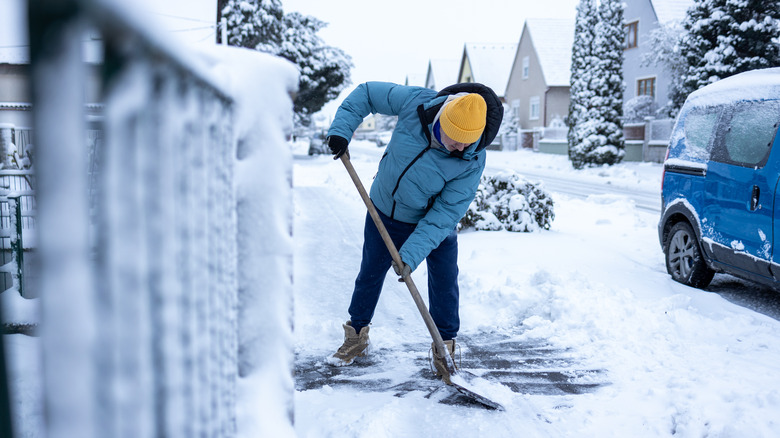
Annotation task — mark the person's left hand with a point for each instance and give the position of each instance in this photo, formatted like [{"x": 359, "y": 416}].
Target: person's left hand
[{"x": 404, "y": 271}]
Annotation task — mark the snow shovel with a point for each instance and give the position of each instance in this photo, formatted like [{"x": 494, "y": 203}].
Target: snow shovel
[{"x": 460, "y": 381}]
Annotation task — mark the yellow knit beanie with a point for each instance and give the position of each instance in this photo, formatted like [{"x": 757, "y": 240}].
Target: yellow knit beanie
[{"x": 463, "y": 118}]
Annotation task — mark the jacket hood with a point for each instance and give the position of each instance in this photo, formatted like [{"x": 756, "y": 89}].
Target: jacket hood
[{"x": 495, "y": 109}]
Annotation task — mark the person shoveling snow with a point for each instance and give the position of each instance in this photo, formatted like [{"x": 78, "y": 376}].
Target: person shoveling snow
[{"x": 425, "y": 183}]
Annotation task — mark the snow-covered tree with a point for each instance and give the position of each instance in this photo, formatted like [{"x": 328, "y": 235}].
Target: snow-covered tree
[
  {"x": 596, "y": 131},
  {"x": 637, "y": 108},
  {"x": 262, "y": 25},
  {"x": 582, "y": 60},
  {"x": 726, "y": 37},
  {"x": 256, "y": 24},
  {"x": 324, "y": 69},
  {"x": 666, "y": 52}
]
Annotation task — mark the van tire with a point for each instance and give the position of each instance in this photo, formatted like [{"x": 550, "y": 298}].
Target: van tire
[{"x": 684, "y": 259}]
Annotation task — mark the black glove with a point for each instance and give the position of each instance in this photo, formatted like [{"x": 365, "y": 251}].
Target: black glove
[
  {"x": 337, "y": 145},
  {"x": 403, "y": 271}
]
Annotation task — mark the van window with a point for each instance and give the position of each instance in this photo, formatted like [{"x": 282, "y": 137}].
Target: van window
[
  {"x": 750, "y": 133},
  {"x": 699, "y": 126}
]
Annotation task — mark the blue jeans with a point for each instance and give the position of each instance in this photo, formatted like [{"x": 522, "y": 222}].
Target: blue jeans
[{"x": 442, "y": 276}]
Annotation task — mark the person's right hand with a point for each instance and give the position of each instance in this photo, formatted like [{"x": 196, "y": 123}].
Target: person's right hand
[
  {"x": 403, "y": 271},
  {"x": 337, "y": 145}
]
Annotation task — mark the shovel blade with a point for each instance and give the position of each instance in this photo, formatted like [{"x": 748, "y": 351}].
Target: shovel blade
[{"x": 464, "y": 383}]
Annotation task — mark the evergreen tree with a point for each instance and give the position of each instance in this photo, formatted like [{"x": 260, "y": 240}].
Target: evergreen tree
[
  {"x": 324, "y": 69},
  {"x": 610, "y": 43},
  {"x": 262, "y": 25},
  {"x": 254, "y": 24},
  {"x": 596, "y": 133},
  {"x": 726, "y": 37},
  {"x": 582, "y": 61}
]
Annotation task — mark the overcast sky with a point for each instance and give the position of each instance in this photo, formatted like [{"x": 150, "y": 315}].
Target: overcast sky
[{"x": 389, "y": 40}]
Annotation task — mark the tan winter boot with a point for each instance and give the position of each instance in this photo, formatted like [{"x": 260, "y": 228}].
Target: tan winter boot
[
  {"x": 354, "y": 345},
  {"x": 440, "y": 367}
]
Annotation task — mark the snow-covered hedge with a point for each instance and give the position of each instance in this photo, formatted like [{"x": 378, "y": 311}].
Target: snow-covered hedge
[{"x": 507, "y": 201}]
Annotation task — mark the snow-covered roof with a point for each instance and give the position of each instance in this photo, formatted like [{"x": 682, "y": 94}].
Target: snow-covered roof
[
  {"x": 491, "y": 63},
  {"x": 443, "y": 71},
  {"x": 752, "y": 85},
  {"x": 553, "y": 39},
  {"x": 670, "y": 10},
  {"x": 416, "y": 79}
]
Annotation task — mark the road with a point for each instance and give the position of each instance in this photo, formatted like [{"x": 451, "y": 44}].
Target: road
[{"x": 573, "y": 185}]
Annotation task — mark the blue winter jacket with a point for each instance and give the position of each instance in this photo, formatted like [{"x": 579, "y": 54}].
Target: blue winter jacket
[{"x": 419, "y": 181}]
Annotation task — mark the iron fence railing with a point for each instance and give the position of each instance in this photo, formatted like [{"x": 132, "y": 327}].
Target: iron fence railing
[
  {"x": 17, "y": 231},
  {"x": 137, "y": 234}
]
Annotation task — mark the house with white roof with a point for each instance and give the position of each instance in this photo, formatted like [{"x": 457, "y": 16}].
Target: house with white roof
[
  {"x": 441, "y": 73},
  {"x": 641, "y": 18},
  {"x": 537, "y": 92},
  {"x": 15, "y": 99},
  {"x": 488, "y": 64},
  {"x": 415, "y": 79},
  {"x": 14, "y": 64}
]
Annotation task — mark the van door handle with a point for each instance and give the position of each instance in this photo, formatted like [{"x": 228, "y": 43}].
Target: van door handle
[{"x": 754, "y": 198}]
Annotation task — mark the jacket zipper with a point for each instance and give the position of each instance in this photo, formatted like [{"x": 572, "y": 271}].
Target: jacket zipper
[
  {"x": 423, "y": 121},
  {"x": 398, "y": 183}
]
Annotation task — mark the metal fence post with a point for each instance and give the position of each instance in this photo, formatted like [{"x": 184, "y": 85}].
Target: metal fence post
[
  {"x": 6, "y": 428},
  {"x": 17, "y": 247},
  {"x": 646, "y": 140}
]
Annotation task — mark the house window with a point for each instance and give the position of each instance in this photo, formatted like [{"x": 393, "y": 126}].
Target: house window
[
  {"x": 645, "y": 87},
  {"x": 526, "y": 62},
  {"x": 516, "y": 109},
  {"x": 533, "y": 108},
  {"x": 631, "y": 30}
]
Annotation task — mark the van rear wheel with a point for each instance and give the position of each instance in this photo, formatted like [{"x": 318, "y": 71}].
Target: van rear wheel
[{"x": 684, "y": 259}]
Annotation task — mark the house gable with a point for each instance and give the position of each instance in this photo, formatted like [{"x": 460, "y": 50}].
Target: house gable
[
  {"x": 487, "y": 63},
  {"x": 441, "y": 73},
  {"x": 537, "y": 90}
]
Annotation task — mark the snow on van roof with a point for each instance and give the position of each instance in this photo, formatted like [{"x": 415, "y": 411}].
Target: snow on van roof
[{"x": 763, "y": 84}]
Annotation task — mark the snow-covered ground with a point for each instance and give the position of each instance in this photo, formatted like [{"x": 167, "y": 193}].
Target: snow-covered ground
[
  {"x": 670, "y": 360},
  {"x": 673, "y": 360}
]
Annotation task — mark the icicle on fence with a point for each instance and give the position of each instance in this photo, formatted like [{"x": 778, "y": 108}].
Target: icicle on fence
[{"x": 139, "y": 278}]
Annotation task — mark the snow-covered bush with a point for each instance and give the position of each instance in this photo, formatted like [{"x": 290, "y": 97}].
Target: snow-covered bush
[
  {"x": 636, "y": 109},
  {"x": 507, "y": 201}
]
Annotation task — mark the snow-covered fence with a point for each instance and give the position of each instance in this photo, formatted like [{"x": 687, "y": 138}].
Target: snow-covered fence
[
  {"x": 17, "y": 231},
  {"x": 647, "y": 141},
  {"x": 159, "y": 318}
]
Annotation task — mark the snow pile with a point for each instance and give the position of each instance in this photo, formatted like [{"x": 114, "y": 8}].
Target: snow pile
[
  {"x": 264, "y": 215},
  {"x": 506, "y": 201}
]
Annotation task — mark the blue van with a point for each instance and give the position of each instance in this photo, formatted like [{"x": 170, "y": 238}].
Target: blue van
[{"x": 721, "y": 200}]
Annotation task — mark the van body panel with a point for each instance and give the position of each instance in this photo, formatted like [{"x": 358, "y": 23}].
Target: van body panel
[{"x": 723, "y": 171}]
